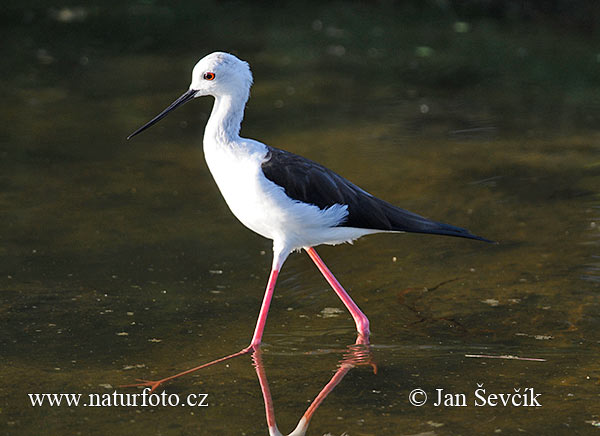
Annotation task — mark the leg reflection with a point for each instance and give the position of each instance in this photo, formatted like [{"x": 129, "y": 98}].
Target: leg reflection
[{"x": 356, "y": 355}]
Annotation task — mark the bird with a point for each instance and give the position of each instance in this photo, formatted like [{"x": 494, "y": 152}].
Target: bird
[{"x": 289, "y": 199}]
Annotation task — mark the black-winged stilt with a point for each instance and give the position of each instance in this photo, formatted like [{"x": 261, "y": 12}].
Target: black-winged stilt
[{"x": 292, "y": 200}]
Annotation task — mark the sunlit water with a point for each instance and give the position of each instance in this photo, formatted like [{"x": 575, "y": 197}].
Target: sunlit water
[{"x": 121, "y": 261}]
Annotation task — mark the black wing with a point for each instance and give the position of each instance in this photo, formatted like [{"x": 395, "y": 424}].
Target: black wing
[{"x": 309, "y": 182}]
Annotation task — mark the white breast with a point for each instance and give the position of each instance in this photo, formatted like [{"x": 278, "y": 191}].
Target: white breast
[{"x": 263, "y": 206}]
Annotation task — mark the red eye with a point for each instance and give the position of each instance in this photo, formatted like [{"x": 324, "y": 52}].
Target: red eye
[{"x": 209, "y": 76}]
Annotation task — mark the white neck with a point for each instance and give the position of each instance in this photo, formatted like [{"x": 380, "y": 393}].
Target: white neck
[{"x": 223, "y": 126}]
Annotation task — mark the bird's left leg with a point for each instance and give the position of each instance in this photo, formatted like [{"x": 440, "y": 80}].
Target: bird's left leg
[
  {"x": 362, "y": 322},
  {"x": 280, "y": 254}
]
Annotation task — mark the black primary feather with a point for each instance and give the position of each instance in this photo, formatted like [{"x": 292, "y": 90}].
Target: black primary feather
[{"x": 309, "y": 182}]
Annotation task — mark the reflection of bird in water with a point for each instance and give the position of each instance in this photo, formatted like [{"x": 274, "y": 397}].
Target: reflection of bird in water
[
  {"x": 355, "y": 355},
  {"x": 284, "y": 197}
]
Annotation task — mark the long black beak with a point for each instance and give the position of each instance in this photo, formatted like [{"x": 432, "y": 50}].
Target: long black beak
[{"x": 187, "y": 96}]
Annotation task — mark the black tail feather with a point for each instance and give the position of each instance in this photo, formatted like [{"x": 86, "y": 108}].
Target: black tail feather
[
  {"x": 306, "y": 181},
  {"x": 435, "y": 228},
  {"x": 405, "y": 221}
]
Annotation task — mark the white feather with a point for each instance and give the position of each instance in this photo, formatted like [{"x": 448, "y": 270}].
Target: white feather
[{"x": 235, "y": 164}]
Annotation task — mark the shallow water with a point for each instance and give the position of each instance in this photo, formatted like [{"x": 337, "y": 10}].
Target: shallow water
[{"x": 121, "y": 261}]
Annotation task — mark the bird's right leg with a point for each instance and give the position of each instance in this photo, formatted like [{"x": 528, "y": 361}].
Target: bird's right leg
[
  {"x": 361, "y": 320},
  {"x": 279, "y": 257}
]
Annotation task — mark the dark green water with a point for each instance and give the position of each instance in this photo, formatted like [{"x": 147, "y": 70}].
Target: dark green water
[{"x": 119, "y": 260}]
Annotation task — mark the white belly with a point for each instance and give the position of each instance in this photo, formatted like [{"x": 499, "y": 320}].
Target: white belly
[{"x": 263, "y": 207}]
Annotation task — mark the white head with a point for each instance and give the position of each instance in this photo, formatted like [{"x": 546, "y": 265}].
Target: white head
[
  {"x": 218, "y": 74},
  {"x": 221, "y": 74}
]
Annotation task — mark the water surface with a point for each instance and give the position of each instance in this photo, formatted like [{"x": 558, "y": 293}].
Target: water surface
[{"x": 120, "y": 260}]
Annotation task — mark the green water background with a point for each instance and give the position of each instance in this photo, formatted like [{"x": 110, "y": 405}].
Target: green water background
[{"x": 120, "y": 260}]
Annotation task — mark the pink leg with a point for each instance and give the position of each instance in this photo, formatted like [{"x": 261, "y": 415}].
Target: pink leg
[
  {"x": 256, "y": 338},
  {"x": 264, "y": 310},
  {"x": 362, "y": 322}
]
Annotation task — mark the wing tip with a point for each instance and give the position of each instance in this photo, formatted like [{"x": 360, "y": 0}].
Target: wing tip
[
  {"x": 450, "y": 230},
  {"x": 481, "y": 238}
]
